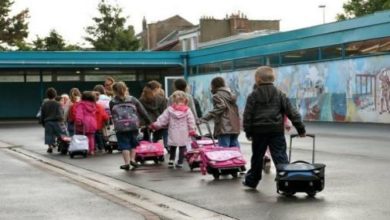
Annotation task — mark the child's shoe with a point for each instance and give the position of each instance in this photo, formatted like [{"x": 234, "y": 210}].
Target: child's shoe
[
  {"x": 125, "y": 167},
  {"x": 49, "y": 150},
  {"x": 179, "y": 166},
  {"x": 170, "y": 164}
]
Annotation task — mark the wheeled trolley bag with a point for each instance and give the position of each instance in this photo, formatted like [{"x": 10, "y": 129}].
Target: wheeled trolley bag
[
  {"x": 300, "y": 176},
  {"x": 193, "y": 155},
  {"x": 148, "y": 150}
]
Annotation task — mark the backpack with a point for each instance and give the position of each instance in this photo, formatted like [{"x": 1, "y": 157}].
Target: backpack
[{"x": 124, "y": 115}]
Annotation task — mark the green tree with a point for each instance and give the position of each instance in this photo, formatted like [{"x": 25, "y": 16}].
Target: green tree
[
  {"x": 357, "y": 8},
  {"x": 109, "y": 31},
  {"x": 13, "y": 29},
  {"x": 53, "y": 42}
]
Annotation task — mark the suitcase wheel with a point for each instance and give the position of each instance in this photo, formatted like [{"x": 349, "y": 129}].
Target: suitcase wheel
[
  {"x": 216, "y": 175},
  {"x": 71, "y": 155},
  {"x": 311, "y": 194},
  {"x": 234, "y": 174},
  {"x": 85, "y": 154},
  {"x": 156, "y": 161}
]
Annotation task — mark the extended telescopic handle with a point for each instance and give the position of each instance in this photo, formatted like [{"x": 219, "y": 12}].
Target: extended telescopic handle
[
  {"x": 313, "y": 136},
  {"x": 208, "y": 130}
]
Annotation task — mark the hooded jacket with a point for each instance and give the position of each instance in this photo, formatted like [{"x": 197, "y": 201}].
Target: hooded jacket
[
  {"x": 85, "y": 117},
  {"x": 180, "y": 122},
  {"x": 154, "y": 107},
  {"x": 225, "y": 112},
  {"x": 265, "y": 109}
]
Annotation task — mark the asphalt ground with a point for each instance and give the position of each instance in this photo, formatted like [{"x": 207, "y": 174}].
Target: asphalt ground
[{"x": 357, "y": 157}]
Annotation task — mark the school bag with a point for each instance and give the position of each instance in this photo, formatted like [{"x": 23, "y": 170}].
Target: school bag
[{"x": 125, "y": 115}]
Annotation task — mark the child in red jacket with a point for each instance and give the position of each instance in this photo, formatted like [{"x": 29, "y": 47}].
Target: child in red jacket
[{"x": 85, "y": 118}]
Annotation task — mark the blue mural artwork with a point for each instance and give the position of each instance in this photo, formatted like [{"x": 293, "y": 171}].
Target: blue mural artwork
[{"x": 353, "y": 90}]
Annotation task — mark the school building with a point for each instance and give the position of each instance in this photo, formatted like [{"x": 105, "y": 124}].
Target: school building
[{"x": 336, "y": 72}]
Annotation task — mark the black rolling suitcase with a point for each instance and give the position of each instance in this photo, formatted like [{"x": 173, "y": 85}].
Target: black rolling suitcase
[{"x": 300, "y": 176}]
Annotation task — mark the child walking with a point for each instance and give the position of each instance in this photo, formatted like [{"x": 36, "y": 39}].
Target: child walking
[
  {"x": 181, "y": 125},
  {"x": 85, "y": 118},
  {"x": 126, "y": 111},
  {"x": 52, "y": 118},
  {"x": 264, "y": 123}
]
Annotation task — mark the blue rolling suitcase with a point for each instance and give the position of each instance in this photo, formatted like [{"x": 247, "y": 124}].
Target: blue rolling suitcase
[{"x": 300, "y": 176}]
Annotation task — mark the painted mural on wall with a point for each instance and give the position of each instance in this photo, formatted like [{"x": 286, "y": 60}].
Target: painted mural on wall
[{"x": 355, "y": 90}]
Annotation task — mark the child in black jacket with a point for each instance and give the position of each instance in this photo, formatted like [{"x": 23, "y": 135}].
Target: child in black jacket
[{"x": 264, "y": 123}]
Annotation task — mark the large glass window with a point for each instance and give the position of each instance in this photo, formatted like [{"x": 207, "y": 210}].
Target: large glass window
[
  {"x": 368, "y": 47},
  {"x": 299, "y": 56}
]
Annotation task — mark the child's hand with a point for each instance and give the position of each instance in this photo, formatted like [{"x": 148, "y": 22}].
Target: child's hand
[
  {"x": 192, "y": 133},
  {"x": 152, "y": 127},
  {"x": 287, "y": 127}
]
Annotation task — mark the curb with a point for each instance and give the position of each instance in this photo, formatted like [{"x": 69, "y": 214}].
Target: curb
[{"x": 150, "y": 204}]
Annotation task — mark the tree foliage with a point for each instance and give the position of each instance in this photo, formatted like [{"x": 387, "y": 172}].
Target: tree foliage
[
  {"x": 13, "y": 29},
  {"x": 357, "y": 8},
  {"x": 109, "y": 31},
  {"x": 53, "y": 42}
]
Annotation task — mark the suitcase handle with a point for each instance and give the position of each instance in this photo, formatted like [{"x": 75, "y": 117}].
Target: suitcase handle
[
  {"x": 301, "y": 161},
  {"x": 208, "y": 129},
  {"x": 307, "y": 135},
  {"x": 313, "y": 136}
]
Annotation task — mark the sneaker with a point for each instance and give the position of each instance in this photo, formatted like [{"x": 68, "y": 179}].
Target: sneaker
[
  {"x": 244, "y": 183},
  {"x": 125, "y": 167},
  {"x": 170, "y": 164},
  {"x": 49, "y": 150},
  {"x": 179, "y": 166},
  {"x": 134, "y": 164}
]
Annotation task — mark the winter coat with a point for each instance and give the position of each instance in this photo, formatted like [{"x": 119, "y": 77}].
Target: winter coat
[
  {"x": 265, "y": 109},
  {"x": 51, "y": 110},
  {"x": 180, "y": 122},
  {"x": 101, "y": 116},
  {"x": 154, "y": 107},
  {"x": 225, "y": 113},
  {"x": 85, "y": 117}
]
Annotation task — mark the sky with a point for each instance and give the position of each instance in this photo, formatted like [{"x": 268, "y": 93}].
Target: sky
[{"x": 70, "y": 17}]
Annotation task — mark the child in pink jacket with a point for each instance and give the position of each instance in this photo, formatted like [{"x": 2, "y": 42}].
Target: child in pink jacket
[
  {"x": 181, "y": 126},
  {"x": 85, "y": 118}
]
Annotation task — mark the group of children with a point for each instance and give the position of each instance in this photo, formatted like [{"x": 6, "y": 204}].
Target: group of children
[{"x": 263, "y": 120}]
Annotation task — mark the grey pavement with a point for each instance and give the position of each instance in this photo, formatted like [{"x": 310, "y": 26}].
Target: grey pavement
[
  {"x": 357, "y": 158},
  {"x": 28, "y": 192}
]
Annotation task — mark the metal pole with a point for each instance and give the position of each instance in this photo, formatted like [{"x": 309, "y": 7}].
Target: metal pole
[{"x": 323, "y": 12}]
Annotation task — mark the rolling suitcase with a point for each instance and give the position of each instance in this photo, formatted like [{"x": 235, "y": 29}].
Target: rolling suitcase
[
  {"x": 148, "y": 150},
  {"x": 193, "y": 154},
  {"x": 300, "y": 176},
  {"x": 217, "y": 160}
]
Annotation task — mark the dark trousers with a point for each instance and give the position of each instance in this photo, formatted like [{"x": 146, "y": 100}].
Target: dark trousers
[
  {"x": 172, "y": 153},
  {"x": 277, "y": 146},
  {"x": 99, "y": 139}
]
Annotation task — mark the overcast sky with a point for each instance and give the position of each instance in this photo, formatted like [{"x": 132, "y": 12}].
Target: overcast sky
[{"x": 70, "y": 17}]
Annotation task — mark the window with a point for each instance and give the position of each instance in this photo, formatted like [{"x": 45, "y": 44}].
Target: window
[
  {"x": 249, "y": 62},
  {"x": 331, "y": 52},
  {"x": 36, "y": 78},
  {"x": 299, "y": 56},
  {"x": 381, "y": 45},
  {"x": 11, "y": 78},
  {"x": 272, "y": 60},
  {"x": 68, "y": 78},
  {"x": 209, "y": 68},
  {"x": 227, "y": 66}
]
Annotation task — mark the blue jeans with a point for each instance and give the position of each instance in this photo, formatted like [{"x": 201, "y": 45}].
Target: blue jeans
[
  {"x": 277, "y": 146},
  {"x": 228, "y": 140}
]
